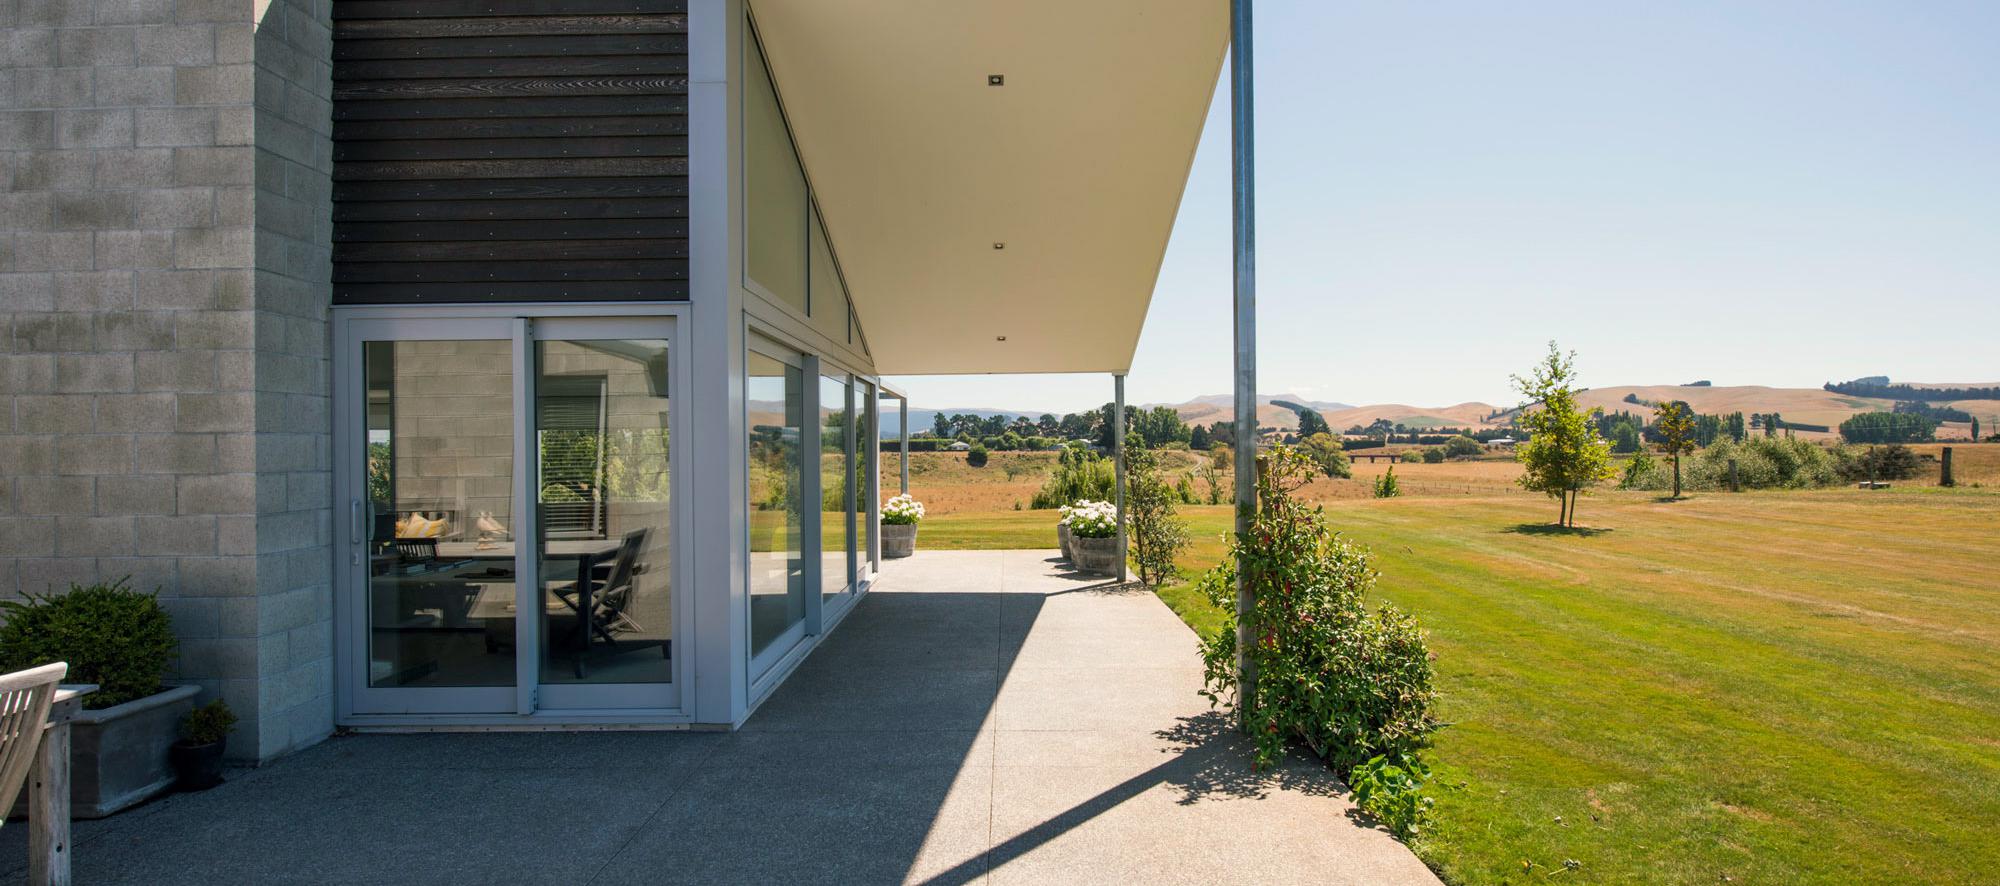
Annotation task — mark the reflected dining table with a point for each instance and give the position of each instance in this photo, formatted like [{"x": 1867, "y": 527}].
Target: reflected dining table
[{"x": 586, "y": 552}]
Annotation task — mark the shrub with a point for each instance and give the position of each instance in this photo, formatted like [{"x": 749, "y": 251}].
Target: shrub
[
  {"x": 1462, "y": 446},
  {"x": 1643, "y": 472},
  {"x": 1157, "y": 535},
  {"x": 1761, "y": 463},
  {"x": 1433, "y": 456},
  {"x": 1892, "y": 462},
  {"x": 1412, "y": 456},
  {"x": 1326, "y": 453},
  {"x": 1080, "y": 474},
  {"x": 1351, "y": 682},
  {"x": 208, "y": 724},
  {"x": 111, "y": 635},
  {"x": 1391, "y": 789},
  {"x": 976, "y": 456},
  {"x": 1387, "y": 486}
]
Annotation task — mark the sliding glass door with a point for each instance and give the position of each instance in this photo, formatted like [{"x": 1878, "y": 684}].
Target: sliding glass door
[
  {"x": 775, "y": 397},
  {"x": 511, "y": 487}
]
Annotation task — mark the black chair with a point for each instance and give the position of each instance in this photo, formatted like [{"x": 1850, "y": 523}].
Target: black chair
[
  {"x": 416, "y": 550},
  {"x": 610, "y": 596}
]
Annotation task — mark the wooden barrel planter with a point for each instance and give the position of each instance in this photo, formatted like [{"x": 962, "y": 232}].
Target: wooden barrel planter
[
  {"x": 899, "y": 541},
  {"x": 1094, "y": 556}
]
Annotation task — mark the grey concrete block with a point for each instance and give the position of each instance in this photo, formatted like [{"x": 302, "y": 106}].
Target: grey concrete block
[
  {"x": 25, "y": 455},
  {"x": 54, "y": 87},
  {"x": 215, "y": 412},
  {"x": 93, "y": 454},
  {"x": 218, "y": 493},
  {"x": 239, "y": 11},
  {"x": 27, "y": 292},
  {"x": 94, "y": 536},
  {"x": 55, "y": 13},
  {"x": 136, "y": 494},
  {"x": 91, "y": 210},
  {"x": 215, "y": 329},
  {"x": 55, "y": 496},
  {"x": 195, "y": 618},
  {"x": 164, "y": 290},
  {"x": 135, "y": 330},
  {"x": 174, "y": 453},
  {"x": 134, "y": 167},
  {"x": 174, "y": 127},
  {"x": 134, "y": 12},
  {"x": 53, "y": 332},
  {"x": 146, "y": 574},
  {"x": 88, "y": 373},
  {"x": 175, "y": 535},
  {"x": 176, "y": 371},
  {"x": 27, "y": 130},
  {"x": 27, "y": 537},
  {"x": 135, "y": 249},
  {"x": 236, "y": 534},
  {"x": 29, "y": 47},
  {"x": 49, "y": 170},
  {"x": 107, "y": 128},
  {"x": 135, "y": 413},
  {"x": 26, "y": 211},
  {"x": 213, "y": 248},
  {"x": 88, "y": 292},
  {"x": 179, "y": 45},
  {"x": 55, "y": 414},
  {"x": 174, "y": 207},
  {"x": 27, "y": 373},
  {"x": 135, "y": 87},
  {"x": 218, "y": 577},
  {"x": 221, "y": 84},
  {"x": 94, "y": 47}
]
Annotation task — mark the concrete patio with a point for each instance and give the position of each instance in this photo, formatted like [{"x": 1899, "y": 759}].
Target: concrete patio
[{"x": 981, "y": 717}]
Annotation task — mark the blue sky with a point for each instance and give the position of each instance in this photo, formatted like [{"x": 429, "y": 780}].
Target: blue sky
[{"x": 1768, "y": 193}]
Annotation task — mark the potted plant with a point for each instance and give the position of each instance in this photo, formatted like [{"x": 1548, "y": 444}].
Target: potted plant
[
  {"x": 121, "y": 640},
  {"x": 197, "y": 756},
  {"x": 1062, "y": 533},
  {"x": 1093, "y": 537},
  {"x": 900, "y": 516}
]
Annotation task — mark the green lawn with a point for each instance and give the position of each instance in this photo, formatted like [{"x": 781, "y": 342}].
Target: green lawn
[{"x": 1768, "y": 687}]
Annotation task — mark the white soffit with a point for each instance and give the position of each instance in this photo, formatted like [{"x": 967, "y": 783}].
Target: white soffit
[{"x": 1076, "y": 163}]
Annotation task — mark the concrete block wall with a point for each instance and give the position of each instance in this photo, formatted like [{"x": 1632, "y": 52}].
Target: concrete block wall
[{"x": 163, "y": 288}]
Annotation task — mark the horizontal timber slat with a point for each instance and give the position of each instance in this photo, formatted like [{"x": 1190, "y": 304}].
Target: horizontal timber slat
[
  {"x": 530, "y": 168},
  {"x": 422, "y": 9},
  {"x": 511, "y": 87},
  {"x": 477, "y": 210},
  {"x": 404, "y": 293},
  {"x": 511, "y": 250},
  {"x": 517, "y": 189},
  {"x": 513, "y": 271},
  {"x": 540, "y": 229},
  {"x": 530, "y": 44},
  {"x": 509, "y": 127},
  {"x": 506, "y": 26},
  {"x": 514, "y": 148},
  {"x": 522, "y": 66},
  {"x": 575, "y": 106}
]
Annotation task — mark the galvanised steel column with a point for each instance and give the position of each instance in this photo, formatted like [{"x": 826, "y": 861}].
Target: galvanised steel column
[
  {"x": 1118, "y": 462},
  {"x": 904, "y": 410},
  {"x": 1244, "y": 212}
]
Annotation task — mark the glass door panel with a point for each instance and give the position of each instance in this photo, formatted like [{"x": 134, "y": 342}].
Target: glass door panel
[
  {"x": 868, "y": 446},
  {"x": 604, "y": 492},
  {"x": 775, "y": 393},
  {"x": 428, "y": 452},
  {"x": 837, "y": 486}
]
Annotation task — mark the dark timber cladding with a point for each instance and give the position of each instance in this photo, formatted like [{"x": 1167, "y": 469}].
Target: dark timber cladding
[{"x": 509, "y": 150}]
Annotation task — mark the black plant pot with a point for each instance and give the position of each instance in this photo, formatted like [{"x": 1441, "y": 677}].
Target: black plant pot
[{"x": 197, "y": 767}]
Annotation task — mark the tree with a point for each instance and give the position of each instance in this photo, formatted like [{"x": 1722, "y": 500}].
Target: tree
[
  {"x": 940, "y": 425},
  {"x": 1326, "y": 454},
  {"x": 1563, "y": 454},
  {"x": 1198, "y": 438},
  {"x": 1158, "y": 536},
  {"x": 1311, "y": 422},
  {"x": 1386, "y": 485},
  {"x": 1675, "y": 425},
  {"x": 1624, "y": 437},
  {"x": 1462, "y": 446},
  {"x": 1048, "y": 424}
]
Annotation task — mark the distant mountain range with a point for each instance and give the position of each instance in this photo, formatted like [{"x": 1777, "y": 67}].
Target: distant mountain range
[{"x": 1813, "y": 406}]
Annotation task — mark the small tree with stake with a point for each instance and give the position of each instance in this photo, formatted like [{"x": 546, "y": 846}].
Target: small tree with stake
[
  {"x": 1563, "y": 453},
  {"x": 1674, "y": 423}
]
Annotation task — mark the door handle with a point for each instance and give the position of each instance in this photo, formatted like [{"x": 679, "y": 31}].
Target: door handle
[{"x": 354, "y": 510}]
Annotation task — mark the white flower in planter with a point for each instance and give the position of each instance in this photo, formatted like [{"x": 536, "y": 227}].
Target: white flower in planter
[
  {"x": 902, "y": 511},
  {"x": 1091, "y": 519}
]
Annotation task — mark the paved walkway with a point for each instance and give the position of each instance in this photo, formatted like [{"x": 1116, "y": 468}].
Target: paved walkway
[{"x": 982, "y": 717}]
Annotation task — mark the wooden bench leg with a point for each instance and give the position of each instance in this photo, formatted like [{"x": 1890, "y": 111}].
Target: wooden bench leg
[{"x": 48, "y": 810}]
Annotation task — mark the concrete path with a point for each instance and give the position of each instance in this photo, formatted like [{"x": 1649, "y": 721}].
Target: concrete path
[{"x": 982, "y": 717}]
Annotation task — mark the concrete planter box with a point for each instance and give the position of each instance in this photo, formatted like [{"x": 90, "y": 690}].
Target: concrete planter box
[
  {"x": 118, "y": 755},
  {"x": 899, "y": 541},
  {"x": 1063, "y": 538},
  {"x": 1094, "y": 556}
]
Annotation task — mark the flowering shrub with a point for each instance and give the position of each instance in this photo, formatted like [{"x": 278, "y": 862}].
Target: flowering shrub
[
  {"x": 902, "y": 511},
  {"x": 1352, "y": 682},
  {"x": 1091, "y": 519}
]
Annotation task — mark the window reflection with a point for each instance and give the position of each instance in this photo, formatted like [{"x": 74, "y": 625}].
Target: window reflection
[{"x": 775, "y": 390}]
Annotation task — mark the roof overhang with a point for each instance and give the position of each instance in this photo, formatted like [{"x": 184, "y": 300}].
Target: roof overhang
[{"x": 1077, "y": 164}]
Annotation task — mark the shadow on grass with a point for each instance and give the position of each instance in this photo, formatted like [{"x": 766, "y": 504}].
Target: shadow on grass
[{"x": 1553, "y": 529}]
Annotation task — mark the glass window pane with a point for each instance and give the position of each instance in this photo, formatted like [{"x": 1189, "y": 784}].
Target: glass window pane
[
  {"x": 829, "y": 298},
  {"x": 869, "y": 437},
  {"x": 776, "y": 395},
  {"x": 440, "y": 465},
  {"x": 604, "y": 489},
  {"x": 837, "y": 492},
  {"x": 775, "y": 200}
]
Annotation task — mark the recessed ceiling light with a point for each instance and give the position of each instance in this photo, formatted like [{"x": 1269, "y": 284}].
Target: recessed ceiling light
[
  {"x": 996, "y": 79},
  {"x": 999, "y": 338},
  {"x": 999, "y": 245}
]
